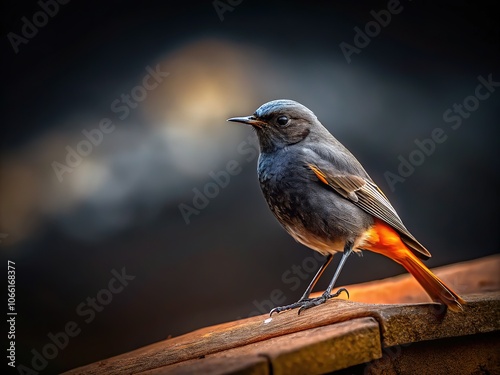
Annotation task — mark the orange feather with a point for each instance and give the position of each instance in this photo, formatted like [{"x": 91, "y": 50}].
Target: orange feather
[{"x": 383, "y": 239}]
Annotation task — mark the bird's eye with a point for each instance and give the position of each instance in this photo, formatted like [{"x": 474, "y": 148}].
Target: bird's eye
[{"x": 282, "y": 120}]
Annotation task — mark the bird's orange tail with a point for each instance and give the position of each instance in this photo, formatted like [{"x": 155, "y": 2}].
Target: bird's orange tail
[{"x": 385, "y": 240}]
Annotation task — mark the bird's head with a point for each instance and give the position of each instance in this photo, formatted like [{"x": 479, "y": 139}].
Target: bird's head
[{"x": 280, "y": 123}]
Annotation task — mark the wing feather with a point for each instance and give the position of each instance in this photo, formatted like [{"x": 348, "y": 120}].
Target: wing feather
[{"x": 367, "y": 195}]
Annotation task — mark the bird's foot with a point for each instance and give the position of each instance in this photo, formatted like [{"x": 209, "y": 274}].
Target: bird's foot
[
  {"x": 321, "y": 299},
  {"x": 299, "y": 303},
  {"x": 307, "y": 303}
]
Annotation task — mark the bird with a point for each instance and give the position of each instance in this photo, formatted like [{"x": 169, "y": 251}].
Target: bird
[{"x": 323, "y": 197}]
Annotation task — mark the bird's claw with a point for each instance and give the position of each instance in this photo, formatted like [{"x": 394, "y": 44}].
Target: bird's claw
[
  {"x": 321, "y": 299},
  {"x": 338, "y": 292},
  {"x": 309, "y": 302},
  {"x": 288, "y": 307}
]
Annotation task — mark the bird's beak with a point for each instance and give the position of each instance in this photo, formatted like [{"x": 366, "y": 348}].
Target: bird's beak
[{"x": 249, "y": 120}]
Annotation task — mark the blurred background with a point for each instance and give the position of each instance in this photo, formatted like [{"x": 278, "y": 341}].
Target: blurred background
[{"x": 129, "y": 201}]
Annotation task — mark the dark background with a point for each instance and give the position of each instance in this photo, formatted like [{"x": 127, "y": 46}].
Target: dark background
[{"x": 120, "y": 206}]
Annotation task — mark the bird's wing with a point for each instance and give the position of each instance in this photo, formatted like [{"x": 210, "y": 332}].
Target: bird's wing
[{"x": 366, "y": 195}]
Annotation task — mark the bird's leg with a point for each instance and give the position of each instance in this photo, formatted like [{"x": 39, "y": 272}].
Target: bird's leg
[
  {"x": 327, "y": 293},
  {"x": 305, "y": 296}
]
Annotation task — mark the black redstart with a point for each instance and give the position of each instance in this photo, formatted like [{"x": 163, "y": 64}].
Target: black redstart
[{"x": 325, "y": 200}]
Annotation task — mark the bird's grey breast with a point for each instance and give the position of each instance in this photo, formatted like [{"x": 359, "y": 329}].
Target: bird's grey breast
[
  {"x": 282, "y": 181},
  {"x": 313, "y": 213}
]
